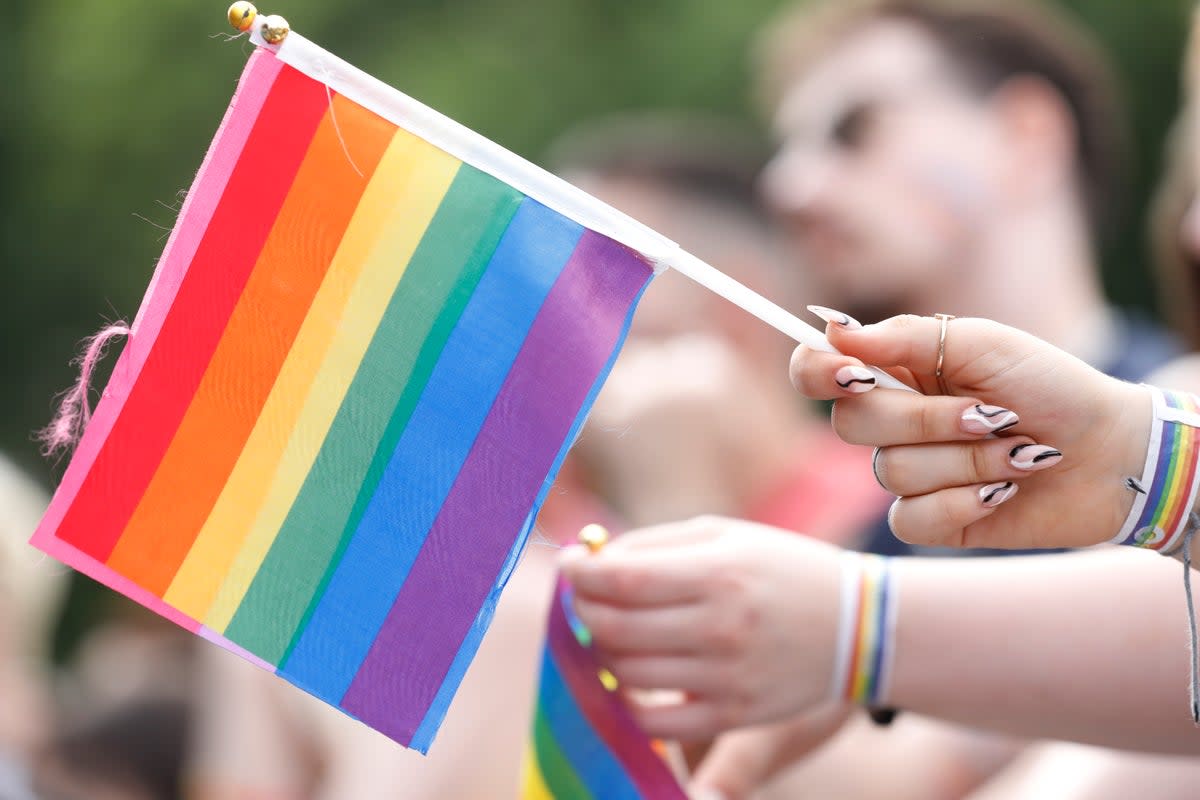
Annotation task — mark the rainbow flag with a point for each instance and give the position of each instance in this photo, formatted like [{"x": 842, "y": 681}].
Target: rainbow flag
[
  {"x": 366, "y": 349},
  {"x": 585, "y": 743}
]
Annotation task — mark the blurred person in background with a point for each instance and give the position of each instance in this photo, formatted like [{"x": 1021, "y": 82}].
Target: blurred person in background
[
  {"x": 30, "y": 591},
  {"x": 134, "y": 751},
  {"x": 953, "y": 156},
  {"x": 1175, "y": 224},
  {"x": 124, "y": 709}
]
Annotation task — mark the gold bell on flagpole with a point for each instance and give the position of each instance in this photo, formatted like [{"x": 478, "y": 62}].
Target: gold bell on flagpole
[
  {"x": 241, "y": 15},
  {"x": 274, "y": 29}
]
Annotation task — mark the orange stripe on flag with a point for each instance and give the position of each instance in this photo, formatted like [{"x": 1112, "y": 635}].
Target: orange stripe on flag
[{"x": 302, "y": 242}]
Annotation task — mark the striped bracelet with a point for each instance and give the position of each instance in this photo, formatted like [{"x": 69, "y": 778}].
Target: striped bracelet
[
  {"x": 1166, "y": 490},
  {"x": 863, "y": 659},
  {"x": 1162, "y": 518}
]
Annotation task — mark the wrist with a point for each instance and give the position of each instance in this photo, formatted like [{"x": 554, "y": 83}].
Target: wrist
[{"x": 1132, "y": 412}]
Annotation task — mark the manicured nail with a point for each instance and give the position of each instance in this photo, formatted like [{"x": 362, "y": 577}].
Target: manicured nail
[
  {"x": 855, "y": 379},
  {"x": 988, "y": 419},
  {"x": 1030, "y": 457},
  {"x": 836, "y": 317},
  {"x": 994, "y": 494}
]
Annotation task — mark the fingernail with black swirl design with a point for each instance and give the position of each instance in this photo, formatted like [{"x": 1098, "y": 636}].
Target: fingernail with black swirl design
[
  {"x": 855, "y": 379},
  {"x": 988, "y": 419},
  {"x": 994, "y": 494},
  {"x": 1031, "y": 457},
  {"x": 836, "y": 317}
]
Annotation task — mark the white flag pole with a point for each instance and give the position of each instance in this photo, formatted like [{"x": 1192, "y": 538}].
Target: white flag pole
[{"x": 776, "y": 316}]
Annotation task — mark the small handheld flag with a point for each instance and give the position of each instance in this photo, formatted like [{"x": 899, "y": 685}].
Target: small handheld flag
[
  {"x": 585, "y": 743},
  {"x": 358, "y": 366}
]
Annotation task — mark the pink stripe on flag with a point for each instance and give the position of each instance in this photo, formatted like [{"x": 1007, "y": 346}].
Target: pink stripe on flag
[
  {"x": 198, "y": 207},
  {"x": 208, "y": 634},
  {"x": 569, "y": 343}
]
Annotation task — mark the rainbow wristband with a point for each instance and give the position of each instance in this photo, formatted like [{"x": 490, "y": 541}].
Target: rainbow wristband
[
  {"x": 1167, "y": 488},
  {"x": 863, "y": 659}
]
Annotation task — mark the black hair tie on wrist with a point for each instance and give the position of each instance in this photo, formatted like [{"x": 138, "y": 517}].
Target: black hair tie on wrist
[{"x": 882, "y": 716}]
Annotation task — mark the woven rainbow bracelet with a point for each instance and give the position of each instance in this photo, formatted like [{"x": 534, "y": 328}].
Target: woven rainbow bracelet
[
  {"x": 1167, "y": 488},
  {"x": 863, "y": 659}
]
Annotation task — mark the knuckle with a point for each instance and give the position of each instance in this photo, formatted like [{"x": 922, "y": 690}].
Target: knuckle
[
  {"x": 732, "y": 713},
  {"x": 723, "y": 717},
  {"x": 725, "y": 636},
  {"x": 987, "y": 329},
  {"x": 603, "y": 624},
  {"x": 732, "y": 584},
  {"x": 624, "y": 667},
  {"x": 627, "y": 582},
  {"x": 632, "y": 671},
  {"x": 749, "y": 620},
  {"x": 946, "y": 519},
  {"x": 844, "y": 422},
  {"x": 745, "y": 700},
  {"x": 978, "y": 464},
  {"x": 925, "y": 422},
  {"x": 727, "y": 673},
  {"x": 906, "y": 326}
]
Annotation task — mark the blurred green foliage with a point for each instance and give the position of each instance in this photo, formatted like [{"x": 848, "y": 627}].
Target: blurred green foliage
[{"x": 108, "y": 106}]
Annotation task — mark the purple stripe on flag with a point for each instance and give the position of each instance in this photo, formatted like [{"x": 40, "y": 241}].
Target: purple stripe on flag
[{"x": 569, "y": 343}]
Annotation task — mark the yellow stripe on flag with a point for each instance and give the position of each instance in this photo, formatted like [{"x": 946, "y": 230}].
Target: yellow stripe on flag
[{"x": 533, "y": 785}]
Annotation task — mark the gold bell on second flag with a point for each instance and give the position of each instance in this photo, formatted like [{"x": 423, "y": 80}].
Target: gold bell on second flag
[
  {"x": 594, "y": 537},
  {"x": 241, "y": 15}
]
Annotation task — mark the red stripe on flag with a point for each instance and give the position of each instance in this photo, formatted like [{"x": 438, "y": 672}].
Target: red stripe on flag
[{"x": 212, "y": 286}]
